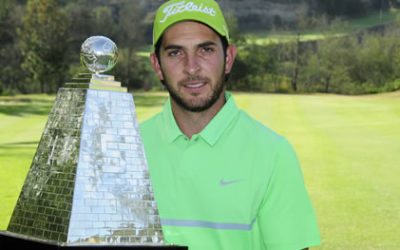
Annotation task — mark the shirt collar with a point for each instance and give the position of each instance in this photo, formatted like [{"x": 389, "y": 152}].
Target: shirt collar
[{"x": 212, "y": 132}]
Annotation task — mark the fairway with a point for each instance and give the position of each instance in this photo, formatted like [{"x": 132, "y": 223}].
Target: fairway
[{"x": 349, "y": 148}]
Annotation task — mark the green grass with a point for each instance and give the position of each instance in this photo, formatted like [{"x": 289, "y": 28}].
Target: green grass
[
  {"x": 348, "y": 147},
  {"x": 22, "y": 119}
]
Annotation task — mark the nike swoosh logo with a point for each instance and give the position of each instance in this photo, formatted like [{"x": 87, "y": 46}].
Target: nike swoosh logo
[{"x": 224, "y": 183}]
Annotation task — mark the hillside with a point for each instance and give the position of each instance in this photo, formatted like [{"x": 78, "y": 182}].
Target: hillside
[
  {"x": 60, "y": 28},
  {"x": 275, "y": 14},
  {"x": 265, "y": 14},
  {"x": 251, "y": 13}
]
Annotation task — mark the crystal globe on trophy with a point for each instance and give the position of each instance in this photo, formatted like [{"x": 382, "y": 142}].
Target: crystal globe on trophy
[{"x": 99, "y": 54}]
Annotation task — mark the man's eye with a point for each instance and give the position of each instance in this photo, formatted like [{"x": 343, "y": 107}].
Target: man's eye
[
  {"x": 173, "y": 53},
  {"x": 208, "y": 49}
]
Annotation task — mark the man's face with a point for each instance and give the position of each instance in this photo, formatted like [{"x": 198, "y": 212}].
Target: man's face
[{"x": 192, "y": 65}]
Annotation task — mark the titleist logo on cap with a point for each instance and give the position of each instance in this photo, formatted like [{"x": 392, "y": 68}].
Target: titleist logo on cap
[{"x": 183, "y": 6}]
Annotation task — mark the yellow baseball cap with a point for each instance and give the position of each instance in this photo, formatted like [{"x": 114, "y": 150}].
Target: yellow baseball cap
[{"x": 204, "y": 11}]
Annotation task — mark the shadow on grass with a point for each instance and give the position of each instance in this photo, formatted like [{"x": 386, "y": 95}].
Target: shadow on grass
[
  {"x": 18, "y": 144},
  {"x": 36, "y": 106},
  {"x": 18, "y": 150},
  {"x": 25, "y": 106}
]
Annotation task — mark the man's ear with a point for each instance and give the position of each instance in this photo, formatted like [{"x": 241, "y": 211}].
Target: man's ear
[
  {"x": 230, "y": 58},
  {"x": 156, "y": 66}
]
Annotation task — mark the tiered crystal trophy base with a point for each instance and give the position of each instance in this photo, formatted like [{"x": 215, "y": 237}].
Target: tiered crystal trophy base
[{"x": 88, "y": 185}]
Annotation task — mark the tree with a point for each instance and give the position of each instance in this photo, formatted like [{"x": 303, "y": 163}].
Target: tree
[
  {"x": 103, "y": 23},
  {"x": 5, "y": 29},
  {"x": 130, "y": 25},
  {"x": 350, "y": 8},
  {"x": 134, "y": 71},
  {"x": 43, "y": 43},
  {"x": 11, "y": 75},
  {"x": 256, "y": 69}
]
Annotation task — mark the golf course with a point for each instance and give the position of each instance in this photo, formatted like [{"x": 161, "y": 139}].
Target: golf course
[{"x": 348, "y": 146}]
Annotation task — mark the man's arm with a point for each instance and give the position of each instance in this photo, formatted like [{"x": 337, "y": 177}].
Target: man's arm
[{"x": 286, "y": 217}]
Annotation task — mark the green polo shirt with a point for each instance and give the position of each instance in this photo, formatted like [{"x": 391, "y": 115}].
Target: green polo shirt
[{"x": 235, "y": 185}]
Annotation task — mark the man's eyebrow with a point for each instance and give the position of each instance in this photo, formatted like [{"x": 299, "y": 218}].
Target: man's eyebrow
[
  {"x": 208, "y": 43},
  {"x": 172, "y": 46},
  {"x": 200, "y": 45}
]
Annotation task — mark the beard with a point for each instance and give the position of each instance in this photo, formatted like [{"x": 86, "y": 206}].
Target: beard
[{"x": 197, "y": 105}]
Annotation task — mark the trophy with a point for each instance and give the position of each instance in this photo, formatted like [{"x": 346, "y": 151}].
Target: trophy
[{"x": 88, "y": 185}]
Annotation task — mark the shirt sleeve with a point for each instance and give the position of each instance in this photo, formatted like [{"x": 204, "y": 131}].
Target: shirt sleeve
[{"x": 286, "y": 217}]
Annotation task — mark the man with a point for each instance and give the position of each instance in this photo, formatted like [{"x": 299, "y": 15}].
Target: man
[{"x": 221, "y": 179}]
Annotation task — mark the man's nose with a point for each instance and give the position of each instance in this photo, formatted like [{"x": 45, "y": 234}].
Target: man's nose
[{"x": 192, "y": 64}]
